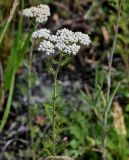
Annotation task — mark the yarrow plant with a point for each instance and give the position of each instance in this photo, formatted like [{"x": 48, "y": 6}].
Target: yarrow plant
[{"x": 66, "y": 43}]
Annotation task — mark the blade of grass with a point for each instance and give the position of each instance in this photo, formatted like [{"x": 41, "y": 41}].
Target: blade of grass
[
  {"x": 17, "y": 54},
  {"x": 2, "y": 33},
  {"x": 8, "y": 106}
]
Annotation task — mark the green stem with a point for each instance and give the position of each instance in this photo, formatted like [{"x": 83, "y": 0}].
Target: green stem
[{"x": 54, "y": 106}]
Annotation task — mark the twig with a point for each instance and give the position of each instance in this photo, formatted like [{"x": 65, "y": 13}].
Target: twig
[{"x": 108, "y": 105}]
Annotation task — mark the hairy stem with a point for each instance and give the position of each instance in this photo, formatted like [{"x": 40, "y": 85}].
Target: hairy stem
[{"x": 108, "y": 105}]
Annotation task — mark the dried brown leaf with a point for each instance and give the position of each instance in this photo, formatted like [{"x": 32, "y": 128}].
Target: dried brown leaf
[{"x": 119, "y": 120}]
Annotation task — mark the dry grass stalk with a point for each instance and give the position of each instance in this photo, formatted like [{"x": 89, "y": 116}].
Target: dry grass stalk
[
  {"x": 119, "y": 120},
  {"x": 15, "y": 4}
]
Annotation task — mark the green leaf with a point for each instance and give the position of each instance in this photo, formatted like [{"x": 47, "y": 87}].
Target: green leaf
[
  {"x": 3, "y": 30},
  {"x": 66, "y": 60},
  {"x": 15, "y": 59},
  {"x": 113, "y": 94},
  {"x": 48, "y": 110}
]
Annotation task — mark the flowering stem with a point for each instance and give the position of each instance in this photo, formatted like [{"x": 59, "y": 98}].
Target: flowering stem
[
  {"x": 54, "y": 105},
  {"x": 108, "y": 105}
]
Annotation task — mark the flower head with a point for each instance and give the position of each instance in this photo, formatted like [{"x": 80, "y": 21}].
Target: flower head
[
  {"x": 40, "y": 13},
  {"x": 83, "y": 39},
  {"x": 64, "y": 40}
]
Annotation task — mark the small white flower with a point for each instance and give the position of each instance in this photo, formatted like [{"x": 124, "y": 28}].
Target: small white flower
[
  {"x": 60, "y": 46},
  {"x": 40, "y": 13},
  {"x": 41, "y": 33},
  {"x": 66, "y": 36},
  {"x": 83, "y": 39},
  {"x": 47, "y": 47},
  {"x": 53, "y": 38},
  {"x": 73, "y": 49},
  {"x": 70, "y": 49}
]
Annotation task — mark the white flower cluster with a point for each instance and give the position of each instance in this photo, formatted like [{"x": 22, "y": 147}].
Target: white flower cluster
[
  {"x": 66, "y": 48},
  {"x": 83, "y": 39},
  {"x": 64, "y": 40},
  {"x": 66, "y": 36},
  {"x": 40, "y": 13},
  {"x": 46, "y": 46},
  {"x": 41, "y": 33}
]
